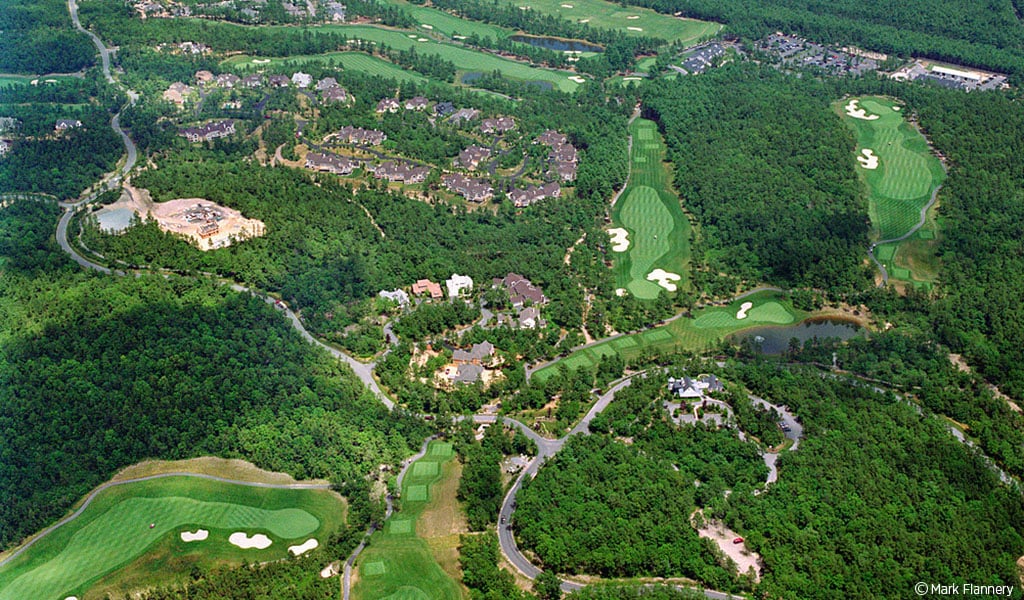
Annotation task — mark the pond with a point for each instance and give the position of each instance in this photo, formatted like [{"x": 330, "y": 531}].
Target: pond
[
  {"x": 775, "y": 340},
  {"x": 557, "y": 44}
]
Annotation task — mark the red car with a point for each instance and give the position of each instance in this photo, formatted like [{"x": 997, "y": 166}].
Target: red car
[{"x": 738, "y": 540}]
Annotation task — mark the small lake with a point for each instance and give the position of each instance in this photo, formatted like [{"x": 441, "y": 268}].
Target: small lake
[
  {"x": 557, "y": 44},
  {"x": 775, "y": 340},
  {"x": 115, "y": 220},
  {"x": 471, "y": 76}
]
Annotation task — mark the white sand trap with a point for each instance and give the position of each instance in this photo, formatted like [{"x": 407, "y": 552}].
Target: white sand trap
[
  {"x": 852, "y": 110},
  {"x": 742, "y": 312},
  {"x": 71, "y": 598},
  {"x": 459, "y": 37},
  {"x": 620, "y": 241},
  {"x": 639, "y": 29},
  {"x": 632, "y": 78},
  {"x": 303, "y": 547},
  {"x": 567, "y": 6},
  {"x": 895, "y": 108},
  {"x": 633, "y": 17},
  {"x": 868, "y": 160},
  {"x": 240, "y": 539},
  {"x": 260, "y": 61},
  {"x": 422, "y": 40},
  {"x": 577, "y": 79},
  {"x": 412, "y": 36},
  {"x": 664, "y": 279},
  {"x": 620, "y": 292},
  {"x": 198, "y": 536},
  {"x": 584, "y": 20},
  {"x": 330, "y": 570},
  {"x": 425, "y": 26}
]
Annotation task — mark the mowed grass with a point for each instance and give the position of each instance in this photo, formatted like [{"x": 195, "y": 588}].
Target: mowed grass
[
  {"x": 659, "y": 231},
  {"x": 607, "y": 15},
  {"x": 449, "y": 25},
  {"x": 355, "y": 61},
  {"x": 398, "y": 564},
  {"x": 708, "y": 327},
  {"x": 907, "y": 175},
  {"x": 114, "y": 531}
]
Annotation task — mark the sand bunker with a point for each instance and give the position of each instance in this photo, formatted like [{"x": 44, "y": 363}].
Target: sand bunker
[
  {"x": 259, "y": 541},
  {"x": 198, "y": 536},
  {"x": 412, "y": 36},
  {"x": 425, "y": 26},
  {"x": 584, "y": 20},
  {"x": 577, "y": 79},
  {"x": 71, "y": 598},
  {"x": 422, "y": 40},
  {"x": 567, "y": 6},
  {"x": 633, "y": 17},
  {"x": 260, "y": 61},
  {"x": 868, "y": 160},
  {"x": 303, "y": 547},
  {"x": 620, "y": 243},
  {"x": 852, "y": 110},
  {"x": 664, "y": 279},
  {"x": 632, "y": 78},
  {"x": 895, "y": 108},
  {"x": 331, "y": 570},
  {"x": 742, "y": 312},
  {"x": 620, "y": 292},
  {"x": 635, "y": 28}
]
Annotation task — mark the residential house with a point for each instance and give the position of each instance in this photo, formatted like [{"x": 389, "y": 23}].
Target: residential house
[
  {"x": 334, "y": 94},
  {"x": 551, "y": 137},
  {"x": 326, "y": 83},
  {"x": 474, "y": 190},
  {"x": 400, "y": 172},
  {"x": 302, "y": 80},
  {"x": 176, "y": 93},
  {"x": 426, "y": 286},
  {"x": 254, "y": 81},
  {"x": 203, "y": 77},
  {"x": 529, "y": 317},
  {"x": 497, "y": 126},
  {"x": 5, "y": 147},
  {"x": 467, "y": 374},
  {"x": 358, "y": 135},
  {"x": 330, "y": 163},
  {"x": 294, "y": 11},
  {"x": 457, "y": 283},
  {"x": 478, "y": 354},
  {"x": 703, "y": 58},
  {"x": 388, "y": 105},
  {"x": 534, "y": 193},
  {"x": 398, "y": 296},
  {"x": 464, "y": 115},
  {"x": 279, "y": 81},
  {"x": 443, "y": 109},
  {"x": 471, "y": 157},
  {"x": 520, "y": 290},
  {"x": 336, "y": 11},
  {"x": 227, "y": 80},
  {"x": 9, "y": 124},
  {"x": 416, "y": 103},
  {"x": 685, "y": 387},
  {"x": 65, "y": 124},
  {"x": 210, "y": 131}
]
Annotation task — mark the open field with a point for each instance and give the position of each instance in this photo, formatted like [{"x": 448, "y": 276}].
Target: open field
[
  {"x": 355, "y": 61},
  {"x": 708, "y": 327},
  {"x": 438, "y": 21},
  {"x": 658, "y": 231},
  {"x": 608, "y": 15},
  {"x": 899, "y": 183},
  {"x": 402, "y": 560},
  {"x": 139, "y": 525}
]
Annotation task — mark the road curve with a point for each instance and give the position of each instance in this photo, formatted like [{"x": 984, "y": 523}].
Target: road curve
[{"x": 110, "y": 484}]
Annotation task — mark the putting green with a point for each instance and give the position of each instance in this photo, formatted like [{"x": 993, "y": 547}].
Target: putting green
[
  {"x": 409, "y": 593},
  {"x": 122, "y": 523},
  {"x": 904, "y": 180},
  {"x": 659, "y": 232}
]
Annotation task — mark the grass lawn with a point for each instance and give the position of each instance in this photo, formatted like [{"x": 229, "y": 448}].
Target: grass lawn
[
  {"x": 659, "y": 232},
  {"x": 356, "y": 61},
  {"x": 449, "y": 25},
  {"x": 412, "y": 557},
  {"x": 115, "y": 531},
  {"x": 899, "y": 187},
  {"x": 708, "y": 327},
  {"x": 609, "y": 15}
]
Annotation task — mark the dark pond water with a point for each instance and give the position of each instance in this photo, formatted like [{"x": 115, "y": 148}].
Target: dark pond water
[
  {"x": 775, "y": 340},
  {"x": 473, "y": 76},
  {"x": 557, "y": 44}
]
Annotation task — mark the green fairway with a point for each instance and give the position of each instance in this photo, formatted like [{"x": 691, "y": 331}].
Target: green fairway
[
  {"x": 398, "y": 564},
  {"x": 432, "y": 20},
  {"x": 648, "y": 209},
  {"x": 607, "y": 15},
  {"x": 124, "y": 523},
  {"x": 355, "y": 61},
  {"x": 708, "y": 327},
  {"x": 901, "y": 184}
]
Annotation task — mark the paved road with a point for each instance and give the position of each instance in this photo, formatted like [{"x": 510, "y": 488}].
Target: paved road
[
  {"x": 104, "y": 53},
  {"x": 110, "y": 484}
]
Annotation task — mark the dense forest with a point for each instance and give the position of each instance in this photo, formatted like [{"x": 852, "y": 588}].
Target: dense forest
[
  {"x": 101, "y": 372},
  {"x": 765, "y": 169},
  {"x": 38, "y": 39}
]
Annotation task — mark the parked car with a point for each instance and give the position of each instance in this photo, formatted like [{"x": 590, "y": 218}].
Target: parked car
[{"x": 738, "y": 540}]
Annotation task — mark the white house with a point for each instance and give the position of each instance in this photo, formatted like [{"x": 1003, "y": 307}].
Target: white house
[
  {"x": 457, "y": 283},
  {"x": 398, "y": 296},
  {"x": 302, "y": 80}
]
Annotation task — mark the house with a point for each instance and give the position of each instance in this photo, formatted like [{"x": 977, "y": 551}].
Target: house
[
  {"x": 326, "y": 83},
  {"x": 426, "y": 286},
  {"x": 294, "y": 11},
  {"x": 209, "y": 131},
  {"x": 457, "y": 283},
  {"x": 467, "y": 374},
  {"x": 193, "y": 48},
  {"x": 400, "y": 172},
  {"x": 534, "y": 193},
  {"x": 551, "y": 137},
  {"x": 497, "y": 126},
  {"x": 227, "y": 80},
  {"x": 443, "y": 109},
  {"x": 474, "y": 190},
  {"x": 334, "y": 94},
  {"x": 65, "y": 124},
  {"x": 416, "y": 103},
  {"x": 176, "y": 93},
  {"x": 203, "y": 77},
  {"x": 330, "y": 163},
  {"x": 5, "y": 147},
  {"x": 529, "y": 317},
  {"x": 388, "y": 105},
  {"x": 9, "y": 123},
  {"x": 358, "y": 135},
  {"x": 302, "y": 80},
  {"x": 398, "y": 296},
  {"x": 336, "y": 11},
  {"x": 471, "y": 157},
  {"x": 464, "y": 115},
  {"x": 254, "y": 81},
  {"x": 279, "y": 81},
  {"x": 703, "y": 58},
  {"x": 685, "y": 387},
  {"x": 520, "y": 290},
  {"x": 478, "y": 354}
]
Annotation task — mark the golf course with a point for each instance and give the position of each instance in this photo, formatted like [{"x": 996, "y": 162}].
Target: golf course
[
  {"x": 901, "y": 174},
  {"x": 650, "y": 233},
  {"x": 145, "y": 527},
  {"x": 399, "y": 563},
  {"x": 708, "y": 327}
]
